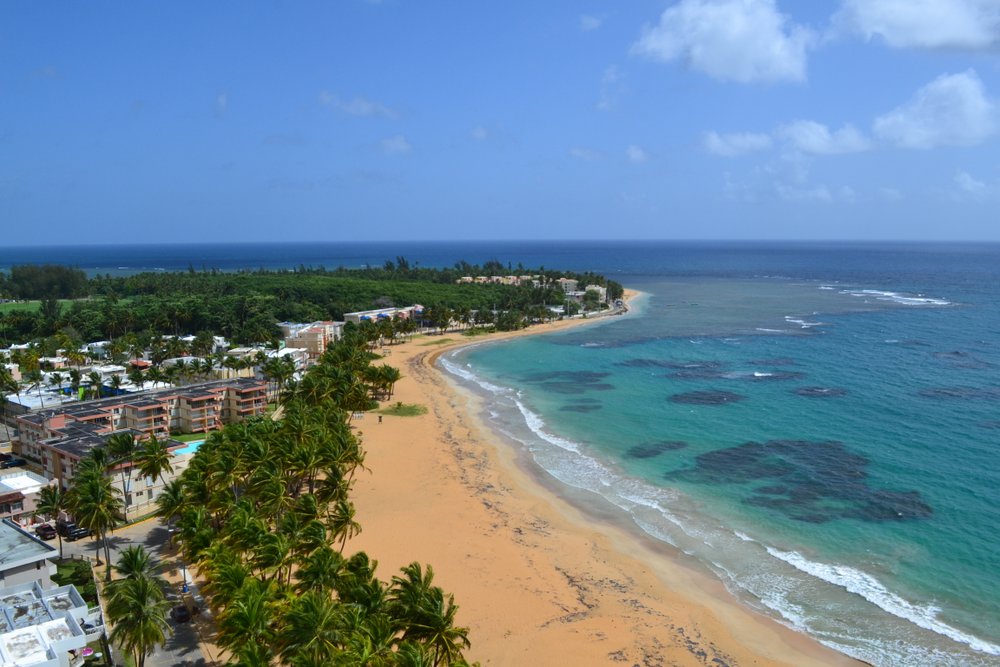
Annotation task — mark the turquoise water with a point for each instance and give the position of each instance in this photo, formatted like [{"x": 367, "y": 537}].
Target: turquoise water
[
  {"x": 827, "y": 447},
  {"x": 190, "y": 448}
]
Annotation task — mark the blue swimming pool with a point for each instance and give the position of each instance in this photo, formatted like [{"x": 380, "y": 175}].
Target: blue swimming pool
[{"x": 190, "y": 448}]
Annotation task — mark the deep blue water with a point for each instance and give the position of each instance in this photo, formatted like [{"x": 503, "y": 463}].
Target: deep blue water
[{"x": 818, "y": 424}]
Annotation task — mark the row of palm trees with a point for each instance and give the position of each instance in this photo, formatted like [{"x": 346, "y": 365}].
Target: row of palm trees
[{"x": 264, "y": 511}]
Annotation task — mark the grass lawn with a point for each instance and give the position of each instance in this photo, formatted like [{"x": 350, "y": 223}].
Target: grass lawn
[
  {"x": 403, "y": 410},
  {"x": 439, "y": 341},
  {"x": 78, "y": 573},
  {"x": 189, "y": 437}
]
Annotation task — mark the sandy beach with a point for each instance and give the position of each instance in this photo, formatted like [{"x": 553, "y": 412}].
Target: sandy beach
[{"x": 538, "y": 580}]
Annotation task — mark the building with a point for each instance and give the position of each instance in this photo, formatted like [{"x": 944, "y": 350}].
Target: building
[
  {"x": 384, "y": 313},
  {"x": 567, "y": 284},
  {"x": 19, "y": 491},
  {"x": 24, "y": 558},
  {"x": 58, "y": 439},
  {"x": 45, "y": 627},
  {"x": 313, "y": 337}
]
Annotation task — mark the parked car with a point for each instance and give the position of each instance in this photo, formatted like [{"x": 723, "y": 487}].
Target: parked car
[
  {"x": 181, "y": 613},
  {"x": 12, "y": 463},
  {"x": 5, "y": 456},
  {"x": 64, "y": 527},
  {"x": 45, "y": 531},
  {"x": 77, "y": 533}
]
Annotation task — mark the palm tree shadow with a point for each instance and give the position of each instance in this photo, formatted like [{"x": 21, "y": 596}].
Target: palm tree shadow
[{"x": 183, "y": 641}]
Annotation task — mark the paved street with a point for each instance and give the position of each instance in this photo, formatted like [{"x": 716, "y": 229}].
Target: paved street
[{"x": 181, "y": 649}]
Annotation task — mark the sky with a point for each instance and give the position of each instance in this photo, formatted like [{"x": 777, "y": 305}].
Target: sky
[{"x": 127, "y": 122}]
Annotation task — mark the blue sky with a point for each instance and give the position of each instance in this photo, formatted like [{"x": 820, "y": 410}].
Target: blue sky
[{"x": 362, "y": 120}]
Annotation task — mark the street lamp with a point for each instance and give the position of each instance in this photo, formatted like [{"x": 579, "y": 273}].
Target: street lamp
[{"x": 184, "y": 573}]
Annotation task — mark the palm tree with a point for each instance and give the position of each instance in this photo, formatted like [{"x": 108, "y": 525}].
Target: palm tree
[
  {"x": 138, "y": 613},
  {"x": 313, "y": 629},
  {"x": 122, "y": 448},
  {"x": 74, "y": 380},
  {"x": 426, "y": 615},
  {"x": 134, "y": 562},
  {"x": 154, "y": 459},
  {"x": 95, "y": 384},
  {"x": 248, "y": 618},
  {"x": 136, "y": 376},
  {"x": 57, "y": 378},
  {"x": 95, "y": 504},
  {"x": 51, "y": 502},
  {"x": 116, "y": 383},
  {"x": 171, "y": 501}
]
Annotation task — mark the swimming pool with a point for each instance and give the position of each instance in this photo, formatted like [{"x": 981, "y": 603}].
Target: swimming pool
[{"x": 190, "y": 448}]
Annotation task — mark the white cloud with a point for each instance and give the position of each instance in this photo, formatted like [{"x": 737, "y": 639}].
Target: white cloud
[
  {"x": 221, "y": 103},
  {"x": 635, "y": 153},
  {"x": 396, "y": 144},
  {"x": 737, "y": 143},
  {"x": 811, "y": 137},
  {"x": 746, "y": 41},
  {"x": 820, "y": 193},
  {"x": 612, "y": 86},
  {"x": 584, "y": 154},
  {"x": 969, "y": 188},
  {"x": 357, "y": 106},
  {"x": 952, "y": 110},
  {"x": 589, "y": 22},
  {"x": 480, "y": 133},
  {"x": 929, "y": 24}
]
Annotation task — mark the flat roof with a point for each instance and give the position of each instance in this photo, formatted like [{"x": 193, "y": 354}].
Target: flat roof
[{"x": 17, "y": 547}]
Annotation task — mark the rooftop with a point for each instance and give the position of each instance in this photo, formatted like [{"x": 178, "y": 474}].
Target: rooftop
[
  {"x": 37, "y": 625},
  {"x": 18, "y": 547}
]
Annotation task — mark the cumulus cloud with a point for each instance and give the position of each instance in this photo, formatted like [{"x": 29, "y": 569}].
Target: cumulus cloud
[
  {"x": 396, "y": 145},
  {"x": 737, "y": 143},
  {"x": 746, "y": 41},
  {"x": 589, "y": 22},
  {"x": 952, "y": 110},
  {"x": 635, "y": 154},
  {"x": 811, "y": 137},
  {"x": 929, "y": 24},
  {"x": 356, "y": 106},
  {"x": 970, "y": 188}
]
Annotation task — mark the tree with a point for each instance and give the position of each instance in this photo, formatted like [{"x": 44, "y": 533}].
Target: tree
[
  {"x": 121, "y": 446},
  {"x": 154, "y": 459},
  {"x": 137, "y": 610},
  {"x": 426, "y": 615},
  {"x": 95, "y": 384},
  {"x": 95, "y": 504},
  {"x": 51, "y": 502}
]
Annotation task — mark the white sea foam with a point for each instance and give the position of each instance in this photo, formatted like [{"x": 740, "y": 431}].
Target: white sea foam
[
  {"x": 771, "y": 330},
  {"x": 897, "y": 297},
  {"x": 805, "y": 324},
  {"x": 469, "y": 376},
  {"x": 871, "y": 589}
]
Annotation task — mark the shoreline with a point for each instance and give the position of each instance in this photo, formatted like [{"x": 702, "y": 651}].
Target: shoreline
[{"x": 541, "y": 574}]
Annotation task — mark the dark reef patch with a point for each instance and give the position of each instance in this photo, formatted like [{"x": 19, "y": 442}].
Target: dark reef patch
[
  {"x": 580, "y": 407},
  {"x": 807, "y": 481},
  {"x": 651, "y": 449},
  {"x": 569, "y": 382},
  {"x": 962, "y": 393},
  {"x": 671, "y": 364},
  {"x": 713, "y": 397},
  {"x": 820, "y": 392},
  {"x": 960, "y": 359}
]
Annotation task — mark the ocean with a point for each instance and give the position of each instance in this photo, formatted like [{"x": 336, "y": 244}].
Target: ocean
[{"x": 816, "y": 424}]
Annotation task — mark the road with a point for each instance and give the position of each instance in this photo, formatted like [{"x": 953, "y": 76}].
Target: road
[{"x": 181, "y": 648}]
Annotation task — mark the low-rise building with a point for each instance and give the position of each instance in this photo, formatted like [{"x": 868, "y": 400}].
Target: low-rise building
[
  {"x": 384, "y": 313},
  {"x": 45, "y": 627},
  {"x": 19, "y": 492},
  {"x": 313, "y": 337},
  {"x": 25, "y": 558}
]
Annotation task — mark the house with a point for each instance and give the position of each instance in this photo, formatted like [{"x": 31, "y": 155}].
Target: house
[
  {"x": 19, "y": 492},
  {"x": 384, "y": 313}
]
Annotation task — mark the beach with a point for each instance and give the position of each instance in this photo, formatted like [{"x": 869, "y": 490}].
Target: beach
[{"x": 538, "y": 580}]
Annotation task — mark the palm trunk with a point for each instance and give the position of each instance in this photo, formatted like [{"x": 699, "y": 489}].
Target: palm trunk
[{"x": 107, "y": 556}]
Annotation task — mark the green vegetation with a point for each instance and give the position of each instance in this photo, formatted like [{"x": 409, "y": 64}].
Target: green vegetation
[
  {"x": 245, "y": 306},
  {"x": 264, "y": 512},
  {"x": 189, "y": 437},
  {"x": 137, "y": 605},
  {"x": 436, "y": 341},
  {"x": 80, "y": 574},
  {"x": 404, "y": 410}
]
